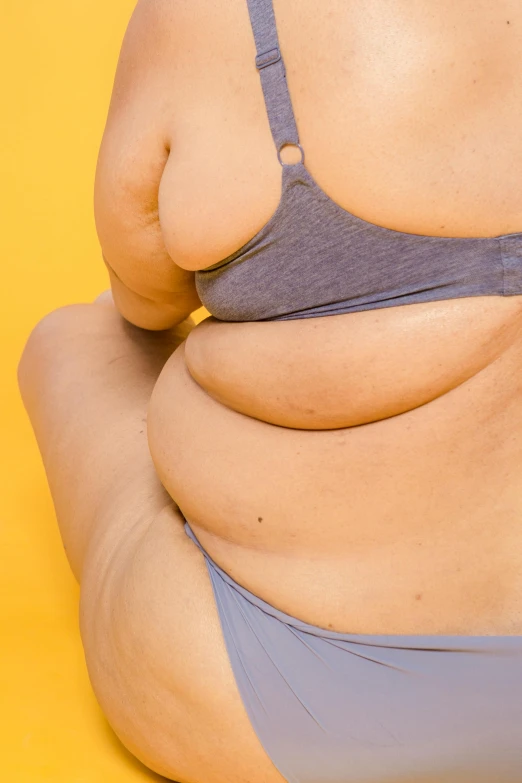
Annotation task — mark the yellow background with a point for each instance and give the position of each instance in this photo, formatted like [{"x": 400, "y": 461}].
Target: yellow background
[{"x": 57, "y": 60}]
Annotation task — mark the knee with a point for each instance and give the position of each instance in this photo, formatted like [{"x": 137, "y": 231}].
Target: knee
[
  {"x": 54, "y": 325},
  {"x": 60, "y": 332},
  {"x": 105, "y": 297},
  {"x": 41, "y": 340}
]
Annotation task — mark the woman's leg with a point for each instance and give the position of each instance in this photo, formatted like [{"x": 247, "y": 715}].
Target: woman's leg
[
  {"x": 151, "y": 633},
  {"x": 86, "y": 376}
]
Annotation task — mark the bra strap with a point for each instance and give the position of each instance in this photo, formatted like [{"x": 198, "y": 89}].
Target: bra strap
[{"x": 270, "y": 65}]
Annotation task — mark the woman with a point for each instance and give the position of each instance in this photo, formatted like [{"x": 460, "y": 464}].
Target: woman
[{"x": 299, "y": 543}]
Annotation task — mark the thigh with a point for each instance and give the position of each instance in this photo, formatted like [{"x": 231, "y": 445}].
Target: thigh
[
  {"x": 86, "y": 376},
  {"x": 150, "y": 628},
  {"x": 159, "y": 666}
]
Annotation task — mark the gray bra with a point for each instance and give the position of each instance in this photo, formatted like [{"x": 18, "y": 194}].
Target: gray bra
[{"x": 313, "y": 258}]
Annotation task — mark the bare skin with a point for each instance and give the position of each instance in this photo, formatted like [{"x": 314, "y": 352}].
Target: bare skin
[
  {"x": 149, "y": 625},
  {"x": 397, "y": 509}
]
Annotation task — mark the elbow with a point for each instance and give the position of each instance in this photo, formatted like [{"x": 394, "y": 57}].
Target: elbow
[
  {"x": 152, "y": 319},
  {"x": 147, "y": 313}
]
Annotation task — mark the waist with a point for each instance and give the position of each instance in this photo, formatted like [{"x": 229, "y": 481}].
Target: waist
[
  {"x": 439, "y": 584},
  {"x": 425, "y": 537},
  {"x": 406, "y": 525}
]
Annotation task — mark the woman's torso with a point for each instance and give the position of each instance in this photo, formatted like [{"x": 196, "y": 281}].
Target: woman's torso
[{"x": 411, "y": 118}]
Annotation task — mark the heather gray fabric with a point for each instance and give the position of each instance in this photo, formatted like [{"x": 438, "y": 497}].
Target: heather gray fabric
[
  {"x": 348, "y": 708},
  {"x": 313, "y": 258}
]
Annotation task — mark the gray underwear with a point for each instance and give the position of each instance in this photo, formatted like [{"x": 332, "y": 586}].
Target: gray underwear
[{"x": 333, "y": 707}]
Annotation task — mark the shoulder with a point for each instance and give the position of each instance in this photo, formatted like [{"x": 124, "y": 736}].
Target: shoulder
[
  {"x": 165, "y": 45},
  {"x": 151, "y": 40}
]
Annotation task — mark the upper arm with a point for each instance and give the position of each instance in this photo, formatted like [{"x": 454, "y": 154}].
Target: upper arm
[{"x": 131, "y": 160}]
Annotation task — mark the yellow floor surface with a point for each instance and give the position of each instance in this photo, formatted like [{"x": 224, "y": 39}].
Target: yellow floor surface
[{"x": 57, "y": 60}]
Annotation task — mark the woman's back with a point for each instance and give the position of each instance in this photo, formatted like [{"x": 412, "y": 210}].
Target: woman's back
[
  {"x": 409, "y": 116},
  {"x": 409, "y": 119}
]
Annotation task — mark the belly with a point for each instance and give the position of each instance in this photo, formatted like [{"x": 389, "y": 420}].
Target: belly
[{"x": 404, "y": 524}]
